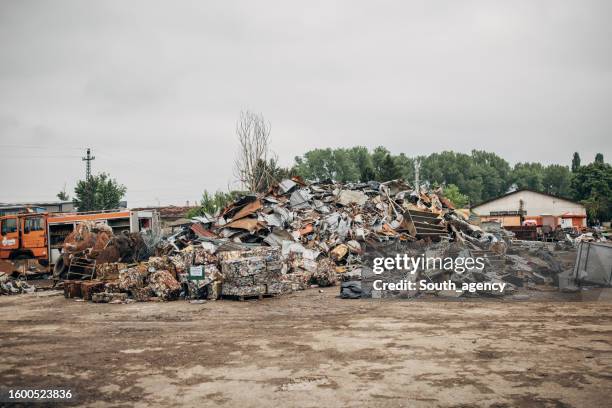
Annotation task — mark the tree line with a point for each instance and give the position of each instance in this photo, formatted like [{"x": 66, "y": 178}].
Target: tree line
[{"x": 472, "y": 178}]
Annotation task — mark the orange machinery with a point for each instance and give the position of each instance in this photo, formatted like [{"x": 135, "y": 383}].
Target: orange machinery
[{"x": 41, "y": 235}]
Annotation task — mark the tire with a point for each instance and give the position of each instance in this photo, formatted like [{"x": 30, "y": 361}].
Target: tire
[{"x": 59, "y": 269}]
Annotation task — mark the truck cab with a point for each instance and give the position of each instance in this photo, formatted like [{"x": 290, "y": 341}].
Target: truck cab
[{"x": 23, "y": 236}]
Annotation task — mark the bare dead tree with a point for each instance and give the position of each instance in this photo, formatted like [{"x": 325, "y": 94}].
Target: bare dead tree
[{"x": 253, "y": 134}]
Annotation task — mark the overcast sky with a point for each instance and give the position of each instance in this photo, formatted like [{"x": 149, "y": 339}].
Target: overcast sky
[{"x": 155, "y": 87}]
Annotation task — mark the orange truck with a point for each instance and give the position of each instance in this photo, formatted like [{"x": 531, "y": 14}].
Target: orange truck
[{"x": 41, "y": 235}]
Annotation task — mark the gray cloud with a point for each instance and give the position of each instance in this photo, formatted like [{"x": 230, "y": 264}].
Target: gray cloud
[{"x": 155, "y": 87}]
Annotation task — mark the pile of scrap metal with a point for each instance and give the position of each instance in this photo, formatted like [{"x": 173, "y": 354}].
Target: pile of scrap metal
[
  {"x": 13, "y": 286},
  {"x": 14, "y": 275},
  {"x": 298, "y": 234},
  {"x": 295, "y": 236},
  {"x": 95, "y": 244},
  {"x": 514, "y": 263},
  {"x": 592, "y": 236},
  {"x": 320, "y": 230}
]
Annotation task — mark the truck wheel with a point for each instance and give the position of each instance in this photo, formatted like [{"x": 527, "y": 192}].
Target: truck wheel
[{"x": 59, "y": 269}]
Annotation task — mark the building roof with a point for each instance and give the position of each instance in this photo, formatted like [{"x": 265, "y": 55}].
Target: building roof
[
  {"x": 525, "y": 189},
  {"x": 34, "y": 204},
  {"x": 170, "y": 211}
]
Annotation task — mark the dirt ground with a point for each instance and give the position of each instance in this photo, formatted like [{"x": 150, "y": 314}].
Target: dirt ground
[{"x": 312, "y": 349}]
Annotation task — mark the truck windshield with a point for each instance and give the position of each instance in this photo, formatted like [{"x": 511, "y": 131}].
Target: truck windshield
[
  {"x": 9, "y": 225},
  {"x": 33, "y": 224}
]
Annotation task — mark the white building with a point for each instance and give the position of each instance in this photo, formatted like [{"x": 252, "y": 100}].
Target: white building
[{"x": 532, "y": 205}]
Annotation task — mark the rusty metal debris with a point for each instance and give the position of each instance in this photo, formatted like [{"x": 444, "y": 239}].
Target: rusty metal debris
[{"x": 297, "y": 235}]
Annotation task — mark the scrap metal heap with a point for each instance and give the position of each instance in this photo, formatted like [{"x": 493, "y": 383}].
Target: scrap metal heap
[
  {"x": 94, "y": 243},
  {"x": 298, "y": 234},
  {"x": 12, "y": 286}
]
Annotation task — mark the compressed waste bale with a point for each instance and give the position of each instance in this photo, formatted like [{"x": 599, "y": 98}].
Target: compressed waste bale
[
  {"x": 109, "y": 271},
  {"x": 112, "y": 287},
  {"x": 203, "y": 256},
  {"x": 236, "y": 268},
  {"x": 133, "y": 278},
  {"x": 141, "y": 294},
  {"x": 299, "y": 279},
  {"x": 279, "y": 288},
  {"x": 161, "y": 264},
  {"x": 164, "y": 285},
  {"x": 229, "y": 289},
  {"x": 325, "y": 274}
]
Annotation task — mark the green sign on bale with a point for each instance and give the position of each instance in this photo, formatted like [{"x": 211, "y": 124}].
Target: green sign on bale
[{"x": 196, "y": 272}]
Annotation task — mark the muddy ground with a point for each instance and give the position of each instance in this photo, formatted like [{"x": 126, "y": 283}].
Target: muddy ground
[{"x": 313, "y": 349}]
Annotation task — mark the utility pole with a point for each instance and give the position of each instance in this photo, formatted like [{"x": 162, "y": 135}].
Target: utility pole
[{"x": 88, "y": 159}]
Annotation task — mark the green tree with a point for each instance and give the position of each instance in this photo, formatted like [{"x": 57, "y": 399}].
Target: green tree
[
  {"x": 599, "y": 158},
  {"x": 557, "y": 180},
  {"x": 98, "y": 192},
  {"x": 592, "y": 185},
  {"x": 494, "y": 172},
  {"x": 324, "y": 164},
  {"x": 575, "y": 162},
  {"x": 363, "y": 160},
  {"x": 345, "y": 168},
  {"x": 529, "y": 176},
  {"x": 211, "y": 203},
  {"x": 63, "y": 195},
  {"x": 379, "y": 161},
  {"x": 389, "y": 169},
  {"x": 452, "y": 192},
  {"x": 316, "y": 164},
  {"x": 459, "y": 169},
  {"x": 405, "y": 166}
]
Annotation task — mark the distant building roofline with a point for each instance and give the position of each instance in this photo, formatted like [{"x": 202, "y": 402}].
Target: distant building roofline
[
  {"x": 34, "y": 204},
  {"x": 521, "y": 190}
]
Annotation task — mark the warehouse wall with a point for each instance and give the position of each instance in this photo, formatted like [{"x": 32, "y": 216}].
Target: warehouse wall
[{"x": 534, "y": 203}]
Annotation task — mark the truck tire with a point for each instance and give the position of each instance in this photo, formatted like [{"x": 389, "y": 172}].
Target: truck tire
[{"x": 59, "y": 269}]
